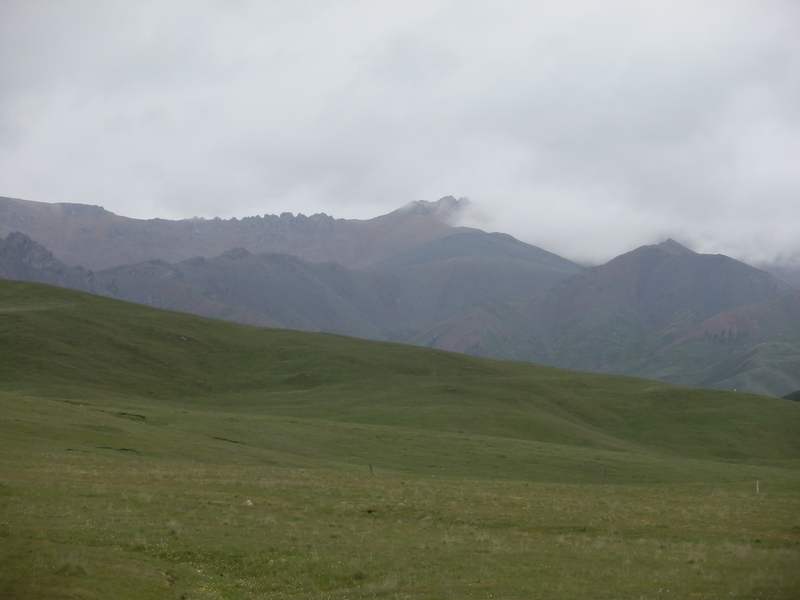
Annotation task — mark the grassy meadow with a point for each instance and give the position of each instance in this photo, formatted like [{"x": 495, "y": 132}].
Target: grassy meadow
[{"x": 149, "y": 454}]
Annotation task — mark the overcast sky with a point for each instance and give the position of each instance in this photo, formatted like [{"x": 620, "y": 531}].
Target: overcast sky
[{"x": 587, "y": 127}]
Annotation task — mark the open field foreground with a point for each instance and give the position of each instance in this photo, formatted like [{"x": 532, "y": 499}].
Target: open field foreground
[{"x": 147, "y": 454}]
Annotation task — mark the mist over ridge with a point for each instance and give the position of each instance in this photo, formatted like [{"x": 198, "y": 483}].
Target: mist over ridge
[
  {"x": 585, "y": 128},
  {"x": 660, "y": 311}
]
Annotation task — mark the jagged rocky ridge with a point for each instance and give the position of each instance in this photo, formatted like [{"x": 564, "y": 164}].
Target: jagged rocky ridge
[{"x": 93, "y": 238}]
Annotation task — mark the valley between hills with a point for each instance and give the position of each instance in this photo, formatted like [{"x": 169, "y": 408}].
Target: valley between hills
[{"x": 661, "y": 312}]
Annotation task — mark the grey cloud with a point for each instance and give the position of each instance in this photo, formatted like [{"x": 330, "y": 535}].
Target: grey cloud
[{"x": 584, "y": 127}]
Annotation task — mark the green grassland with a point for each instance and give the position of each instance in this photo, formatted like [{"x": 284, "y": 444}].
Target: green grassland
[{"x": 131, "y": 440}]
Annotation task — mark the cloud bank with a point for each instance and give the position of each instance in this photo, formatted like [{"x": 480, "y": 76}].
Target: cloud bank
[{"x": 584, "y": 127}]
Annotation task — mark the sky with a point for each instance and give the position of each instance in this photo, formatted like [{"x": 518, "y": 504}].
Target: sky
[{"x": 586, "y": 127}]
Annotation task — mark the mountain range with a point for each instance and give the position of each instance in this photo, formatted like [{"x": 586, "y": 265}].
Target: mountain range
[
  {"x": 96, "y": 239},
  {"x": 662, "y": 311}
]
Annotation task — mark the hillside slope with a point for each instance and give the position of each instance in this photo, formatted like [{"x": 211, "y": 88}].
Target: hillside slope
[
  {"x": 620, "y": 317},
  {"x": 95, "y": 239},
  {"x": 285, "y": 291},
  {"x": 754, "y": 348},
  {"x": 152, "y": 455},
  {"x": 23, "y": 259},
  {"x": 83, "y": 348}
]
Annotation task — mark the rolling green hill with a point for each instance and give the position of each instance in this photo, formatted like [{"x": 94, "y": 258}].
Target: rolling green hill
[
  {"x": 131, "y": 440},
  {"x": 76, "y": 346}
]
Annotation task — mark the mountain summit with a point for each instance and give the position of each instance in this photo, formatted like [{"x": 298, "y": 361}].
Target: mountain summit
[
  {"x": 627, "y": 316},
  {"x": 94, "y": 238},
  {"x": 444, "y": 209},
  {"x": 661, "y": 311}
]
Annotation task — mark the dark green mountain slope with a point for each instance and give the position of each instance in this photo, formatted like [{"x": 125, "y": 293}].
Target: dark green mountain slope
[
  {"x": 289, "y": 292},
  {"x": 427, "y": 294},
  {"x": 285, "y": 291},
  {"x": 272, "y": 289},
  {"x": 620, "y": 317},
  {"x": 752, "y": 348},
  {"x": 639, "y": 302},
  {"x": 478, "y": 244}
]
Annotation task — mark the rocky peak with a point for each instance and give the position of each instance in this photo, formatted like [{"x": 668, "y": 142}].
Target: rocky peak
[
  {"x": 444, "y": 209},
  {"x": 673, "y": 247},
  {"x": 19, "y": 247}
]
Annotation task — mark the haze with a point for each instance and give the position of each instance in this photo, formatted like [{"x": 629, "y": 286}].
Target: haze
[{"x": 587, "y": 128}]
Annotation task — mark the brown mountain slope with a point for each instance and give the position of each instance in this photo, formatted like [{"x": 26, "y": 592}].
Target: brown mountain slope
[
  {"x": 93, "y": 238},
  {"x": 24, "y": 260},
  {"x": 286, "y": 291},
  {"x": 641, "y": 301},
  {"x": 613, "y": 317},
  {"x": 774, "y": 320},
  {"x": 289, "y": 292},
  {"x": 752, "y": 348}
]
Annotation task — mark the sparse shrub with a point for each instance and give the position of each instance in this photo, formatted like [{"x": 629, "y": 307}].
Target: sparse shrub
[
  {"x": 72, "y": 566},
  {"x": 174, "y": 528}
]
